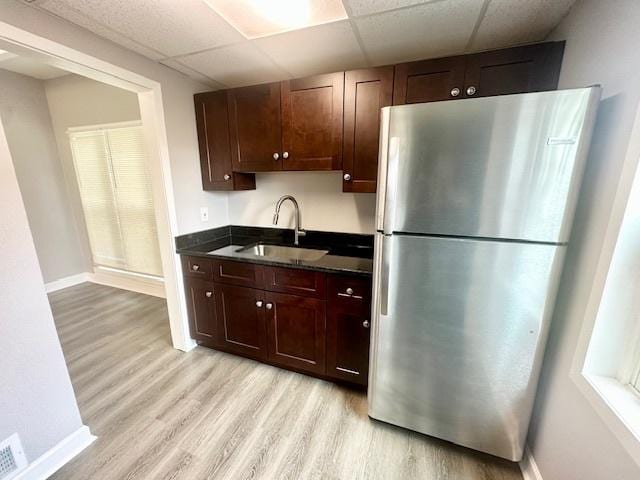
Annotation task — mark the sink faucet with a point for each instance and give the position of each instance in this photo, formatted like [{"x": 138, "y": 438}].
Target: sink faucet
[{"x": 298, "y": 232}]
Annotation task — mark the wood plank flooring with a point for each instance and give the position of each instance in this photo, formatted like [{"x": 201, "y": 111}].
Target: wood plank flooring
[{"x": 163, "y": 414}]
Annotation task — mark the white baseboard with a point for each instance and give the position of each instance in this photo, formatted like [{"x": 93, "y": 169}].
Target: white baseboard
[
  {"x": 52, "y": 460},
  {"x": 529, "y": 467},
  {"x": 131, "y": 282},
  {"x": 66, "y": 282}
]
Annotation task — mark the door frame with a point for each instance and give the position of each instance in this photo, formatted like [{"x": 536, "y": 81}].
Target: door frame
[{"x": 149, "y": 93}]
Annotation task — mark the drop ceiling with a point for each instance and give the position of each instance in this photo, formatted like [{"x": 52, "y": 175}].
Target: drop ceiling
[{"x": 189, "y": 36}]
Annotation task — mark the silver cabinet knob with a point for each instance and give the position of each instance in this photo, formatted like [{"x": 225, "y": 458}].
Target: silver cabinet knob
[
  {"x": 227, "y": 176},
  {"x": 195, "y": 267},
  {"x": 471, "y": 90},
  {"x": 269, "y": 306},
  {"x": 347, "y": 177},
  {"x": 276, "y": 156},
  {"x": 365, "y": 324},
  {"x": 285, "y": 154},
  {"x": 349, "y": 291},
  {"x": 208, "y": 294},
  {"x": 259, "y": 303},
  {"x": 455, "y": 92}
]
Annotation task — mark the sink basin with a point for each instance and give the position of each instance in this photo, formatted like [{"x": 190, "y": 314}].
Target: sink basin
[{"x": 282, "y": 252}]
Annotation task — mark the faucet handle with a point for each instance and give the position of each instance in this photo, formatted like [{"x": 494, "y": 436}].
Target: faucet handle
[{"x": 301, "y": 232}]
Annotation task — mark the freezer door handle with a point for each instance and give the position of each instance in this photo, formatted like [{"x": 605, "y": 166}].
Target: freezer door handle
[{"x": 382, "y": 168}]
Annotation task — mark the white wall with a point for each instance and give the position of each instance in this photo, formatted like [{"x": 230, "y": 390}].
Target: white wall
[
  {"x": 24, "y": 112},
  {"x": 177, "y": 93},
  {"x": 76, "y": 101},
  {"x": 36, "y": 397},
  {"x": 322, "y": 203},
  {"x": 568, "y": 439}
]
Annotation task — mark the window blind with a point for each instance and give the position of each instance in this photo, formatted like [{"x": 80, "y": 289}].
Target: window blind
[{"x": 115, "y": 189}]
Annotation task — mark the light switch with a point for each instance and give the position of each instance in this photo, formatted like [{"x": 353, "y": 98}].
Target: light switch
[{"x": 204, "y": 214}]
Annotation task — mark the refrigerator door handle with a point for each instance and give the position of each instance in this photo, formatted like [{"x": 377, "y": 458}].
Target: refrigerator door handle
[
  {"x": 384, "y": 275},
  {"x": 382, "y": 168}
]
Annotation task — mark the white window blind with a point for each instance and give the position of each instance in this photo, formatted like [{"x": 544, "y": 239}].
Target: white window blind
[{"x": 115, "y": 188}]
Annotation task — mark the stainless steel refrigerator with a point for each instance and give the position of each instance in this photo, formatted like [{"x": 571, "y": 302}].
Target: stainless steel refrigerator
[{"x": 475, "y": 204}]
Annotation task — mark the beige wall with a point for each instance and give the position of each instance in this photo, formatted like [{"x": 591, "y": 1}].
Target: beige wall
[
  {"x": 322, "y": 203},
  {"x": 36, "y": 397},
  {"x": 24, "y": 112},
  {"x": 76, "y": 101},
  {"x": 568, "y": 439}
]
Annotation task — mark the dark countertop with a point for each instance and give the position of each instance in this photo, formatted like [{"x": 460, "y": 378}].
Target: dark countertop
[{"x": 348, "y": 253}]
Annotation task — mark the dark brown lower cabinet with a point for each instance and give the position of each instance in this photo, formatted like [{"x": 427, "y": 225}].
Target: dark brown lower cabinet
[
  {"x": 200, "y": 305},
  {"x": 296, "y": 332},
  {"x": 241, "y": 320},
  {"x": 320, "y": 326},
  {"x": 348, "y": 327}
]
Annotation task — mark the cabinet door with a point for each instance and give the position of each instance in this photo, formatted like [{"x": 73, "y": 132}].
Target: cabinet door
[
  {"x": 296, "y": 329},
  {"x": 201, "y": 310},
  {"x": 531, "y": 68},
  {"x": 348, "y": 321},
  {"x": 365, "y": 93},
  {"x": 312, "y": 122},
  {"x": 256, "y": 135},
  {"x": 429, "y": 80},
  {"x": 212, "y": 124},
  {"x": 241, "y": 320}
]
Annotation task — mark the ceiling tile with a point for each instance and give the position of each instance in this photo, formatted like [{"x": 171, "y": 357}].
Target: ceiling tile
[
  {"x": 511, "y": 22},
  {"x": 425, "y": 31},
  {"x": 189, "y": 72},
  {"x": 365, "y": 7},
  {"x": 59, "y": 8},
  {"x": 235, "y": 65},
  {"x": 320, "y": 49},
  {"x": 259, "y": 18},
  {"x": 168, "y": 26}
]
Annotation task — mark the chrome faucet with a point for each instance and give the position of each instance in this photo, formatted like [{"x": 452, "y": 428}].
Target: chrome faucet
[{"x": 298, "y": 232}]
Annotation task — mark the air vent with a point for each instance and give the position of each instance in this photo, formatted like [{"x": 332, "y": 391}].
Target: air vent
[{"x": 12, "y": 458}]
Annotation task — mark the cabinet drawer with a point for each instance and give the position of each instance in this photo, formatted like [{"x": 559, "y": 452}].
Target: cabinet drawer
[
  {"x": 197, "y": 267},
  {"x": 349, "y": 291},
  {"x": 298, "y": 282},
  {"x": 238, "y": 273}
]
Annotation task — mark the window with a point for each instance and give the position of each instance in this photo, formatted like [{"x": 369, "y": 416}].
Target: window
[{"x": 115, "y": 189}]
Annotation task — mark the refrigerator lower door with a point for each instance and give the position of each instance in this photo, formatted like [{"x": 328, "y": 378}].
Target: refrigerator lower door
[{"x": 458, "y": 335}]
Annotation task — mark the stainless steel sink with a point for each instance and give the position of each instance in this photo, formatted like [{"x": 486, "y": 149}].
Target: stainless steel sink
[{"x": 282, "y": 252}]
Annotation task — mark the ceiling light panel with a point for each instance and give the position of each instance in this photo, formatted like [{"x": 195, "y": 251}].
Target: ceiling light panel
[{"x": 260, "y": 18}]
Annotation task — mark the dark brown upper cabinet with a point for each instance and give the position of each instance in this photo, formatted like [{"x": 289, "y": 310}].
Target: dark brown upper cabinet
[
  {"x": 429, "y": 80},
  {"x": 531, "y": 68},
  {"x": 212, "y": 123},
  {"x": 312, "y": 122},
  {"x": 365, "y": 93},
  {"x": 255, "y": 128}
]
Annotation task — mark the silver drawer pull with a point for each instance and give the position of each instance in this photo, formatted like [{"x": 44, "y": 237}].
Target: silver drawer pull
[
  {"x": 365, "y": 324},
  {"x": 269, "y": 306},
  {"x": 259, "y": 303},
  {"x": 195, "y": 267},
  {"x": 208, "y": 294},
  {"x": 349, "y": 290},
  {"x": 357, "y": 297}
]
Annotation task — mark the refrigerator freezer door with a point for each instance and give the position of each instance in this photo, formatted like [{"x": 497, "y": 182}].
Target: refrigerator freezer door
[
  {"x": 458, "y": 332},
  {"x": 498, "y": 167}
]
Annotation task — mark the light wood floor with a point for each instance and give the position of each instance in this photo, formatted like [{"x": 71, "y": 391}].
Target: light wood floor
[{"x": 163, "y": 414}]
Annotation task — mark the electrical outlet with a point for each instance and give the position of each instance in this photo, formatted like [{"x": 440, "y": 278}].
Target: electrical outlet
[{"x": 204, "y": 214}]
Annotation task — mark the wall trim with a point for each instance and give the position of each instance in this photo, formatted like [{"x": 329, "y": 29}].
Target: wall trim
[
  {"x": 134, "y": 283},
  {"x": 528, "y": 466},
  {"x": 58, "y": 456},
  {"x": 66, "y": 282}
]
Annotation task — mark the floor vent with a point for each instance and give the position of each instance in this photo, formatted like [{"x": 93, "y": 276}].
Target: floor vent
[{"x": 12, "y": 458}]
